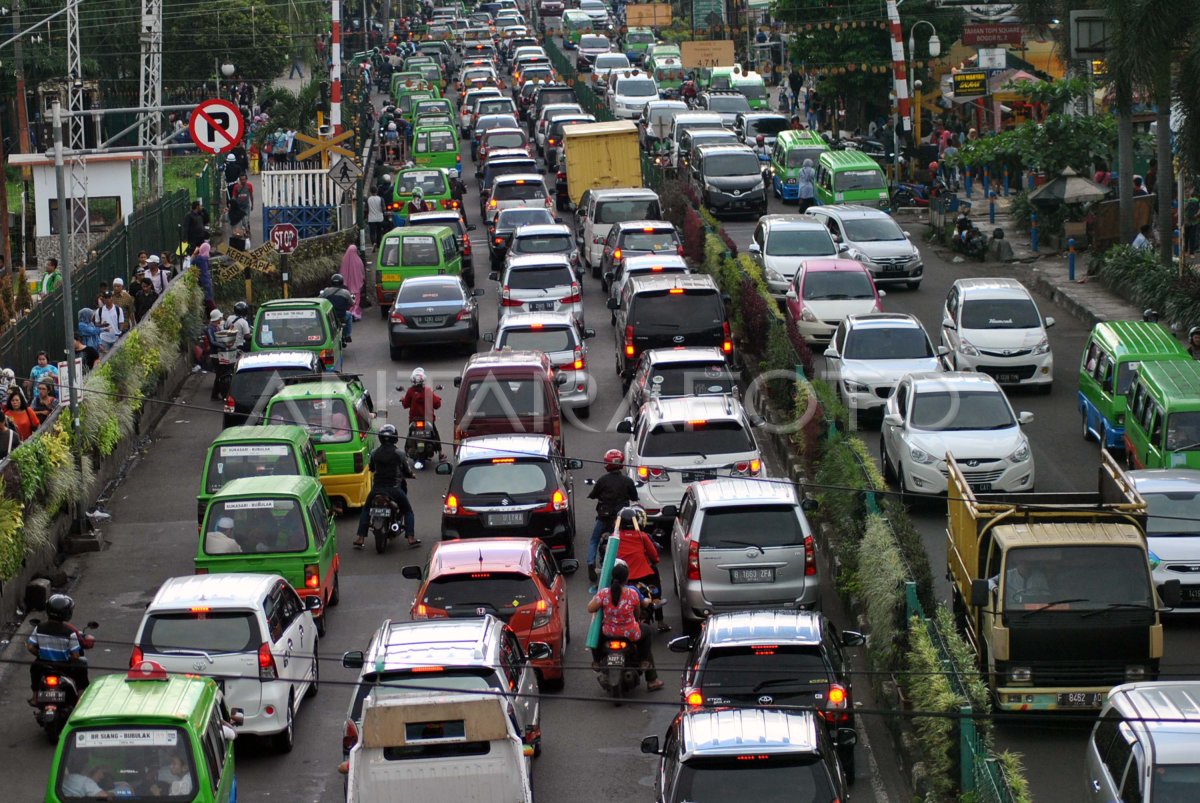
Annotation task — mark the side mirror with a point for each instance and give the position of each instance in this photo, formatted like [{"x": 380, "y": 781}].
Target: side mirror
[
  {"x": 574, "y": 464},
  {"x": 588, "y": 334},
  {"x": 538, "y": 651},
  {"x": 852, "y": 638},
  {"x": 613, "y": 303},
  {"x": 1049, "y": 322},
  {"x": 458, "y": 381},
  {"x": 558, "y": 220},
  {"x": 1172, "y": 593},
  {"x": 489, "y": 337},
  {"x": 353, "y": 659},
  {"x": 477, "y": 292},
  {"x": 942, "y": 351},
  {"x": 980, "y": 593},
  {"x": 809, "y": 505},
  {"x": 846, "y": 737},
  {"x": 754, "y": 248},
  {"x": 948, "y": 324},
  {"x": 843, "y": 248},
  {"x": 93, "y": 625},
  {"x": 790, "y": 295},
  {"x": 626, "y": 426},
  {"x": 228, "y": 732},
  {"x": 444, "y": 468},
  {"x": 893, "y": 420},
  {"x": 650, "y": 746},
  {"x": 494, "y": 276},
  {"x": 831, "y": 353},
  {"x": 470, "y": 227},
  {"x": 609, "y": 276},
  {"x": 313, "y": 604},
  {"x": 1024, "y": 417},
  {"x": 680, "y": 644},
  {"x": 882, "y": 293},
  {"x": 411, "y": 572},
  {"x": 908, "y": 235},
  {"x": 568, "y": 566},
  {"x": 237, "y": 716}
]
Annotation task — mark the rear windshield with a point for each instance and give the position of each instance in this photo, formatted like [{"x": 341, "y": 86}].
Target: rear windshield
[
  {"x": 701, "y": 379},
  {"x": 548, "y": 96},
  {"x": 767, "y": 126},
  {"x": 512, "y": 191},
  {"x": 254, "y": 525},
  {"x": 437, "y": 142},
  {"x": 494, "y": 171},
  {"x": 249, "y": 460},
  {"x": 637, "y": 87},
  {"x": 617, "y": 211},
  {"x": 728, "y": 104},
  {"x": 495, "y": 106},
  {"x": 494, "y": 121},
  {"x": 858, "y": 180},
  {"x": 549, "y": 340},
  {"x": 213, "y": 632},
  {"x": 752, "y": 89},
  {"x": 761, "y": 667},
  {"x": 906, "y": 343},
  {"x": 611, "y": 61},
  {"x": 762, "y": 525},
  {"x": 497, "y": 593},
  {"x": 124, "y": 763},
  {"x": 395, "y": 684},
  {"x": 249, "y": 386},
  {"x": 539, "y": 278},
  {"x": 327, "y": 420},
  {"x": 653, "y": 241},
  {"x": 837, "y": 285},
  {"x": 755, "y": 776},
  {"x": 290, "y": 327},
  {"x": 704, "y": 439},
  {"x": 796, "y": 156},
  {"x": 419, "y": 252},
  {"x": 506, "y": 139},
  {"x": 590, "y": 40},
  {"x": 543, "y": 244},
  {"x": 516, "y": 478},
  {"x": 639, "y": 38},
  {"x": 504, "y": 397},
  {"x": 873, "y": 230},
  {"x": 689, "y": 312},
  {"x": 511, "y": 218},
  {"x": 431, "y": 182},
  {"x": 429, "y": 293},
  {"x": 800, "y": 243},
  {"x": 732, "y": 164}
]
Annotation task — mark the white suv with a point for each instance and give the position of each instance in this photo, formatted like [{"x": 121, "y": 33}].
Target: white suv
[
  {"x": 781, "y": 244},
  {"x": 629, "y": 92},
  {"x": 993, "y": 326},
  {"x": 869, "y": 354},
  {"x": 683, "y": 440},
  {"x": 873, "y": 238},
  {"x": 251, "y": 632}
]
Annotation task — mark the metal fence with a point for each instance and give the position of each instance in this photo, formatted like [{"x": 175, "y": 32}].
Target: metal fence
[{"x": 589, "y": 99}]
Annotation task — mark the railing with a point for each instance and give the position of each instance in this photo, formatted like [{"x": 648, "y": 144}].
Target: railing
[{"x": 591, "y": 102}]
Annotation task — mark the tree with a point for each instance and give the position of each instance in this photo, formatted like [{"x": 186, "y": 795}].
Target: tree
[{"x": 254, "y": 38}]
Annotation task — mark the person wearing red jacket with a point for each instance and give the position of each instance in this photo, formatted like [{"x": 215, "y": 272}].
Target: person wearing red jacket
[
  {"x": 417, "y": 399},
  {"x": 639, "y": 552}
]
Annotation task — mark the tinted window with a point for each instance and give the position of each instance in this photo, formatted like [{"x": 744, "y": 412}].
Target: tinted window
[
  {"x": 543, "y": 244},
  {"x": 637, "y": 87},
  {"x": 831, "y": 285},
  {"x": 437, "y": 142},
  {"x": 216, "y": 632},
  {"x": 1091, "y": 577},
  {"x": 411, "y": 293},
  {"x": 431, "y": 182},
  {"x": 767, "y": 126},
  {"x": 872, "y": 230},
  {"x": 1183, "y": 432},
  {"x": 525, "y": 191},
  {"x": 497, "y": 593},
  {"x": 427, "y": 751},
  {"x": 327, "y": 420},
  {"x": 617, "y": 211},
  {"x": 249, "y": 386},
  {"x": 511, "y": 218},
  {"x": 752, "y": 90},
  {"x": 904, "y": 343},
  {"x": 711, "y": 438},
  {"x": 548, "y": 340},
  {"x": 800, "y": 243},
  {"x": 259, "y": 525},
  {"x": 133, "y": 764},
  {"x": 796, "y": 156},
  {"x": 505, "y": 139},
  {"x": 1000, "y": 313},
  {"x": 495, "y": 106},
  {"x": 690, "y": 380},
  {"x": 764, "y": 525},
  {"x": 504, "y": 397},
  {"x": 728, "y": 104},
  {"x": 731, "y": 164},
  {"x": 249, "y": 460},
  {"x": 653, "y": 241},
  {"x": 961, "y": 410},
  {"x": 759, "y": 668},
  {"x": 537, "y": 278},
  {"x": 611, "y": 61},
  {"x": 419, "y": 251},
  {"x": 514, "y": 479},
  {"x": 690, "y": 311},
  {"x": 758, "y": 777},
  {"x": 1174, "y": 783},
  {"x": 858, "y": 180},
  {"x": 593, "y": 41},
  {"x": 1173, "y": 513},
  {"x": 290, "y": 327}
]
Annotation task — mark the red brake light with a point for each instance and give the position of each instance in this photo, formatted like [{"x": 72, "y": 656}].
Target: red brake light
[
  {"x": 312, "y": 576},
  {"x": 727, "y": 339},
  {"x": 693, "y": 559},
  {"x": 694, "y": 698},
  {"x": 327, "y": 357},
  {"x": 50, "y": 680},
  {"x": 559, "y": 501},
  {"x": 136, "y": 657},
  {"x": 575, "y": 296},
  {"x": 450, "y": 507},
  {"x": 266, "y": 663},
  {"x": 349, "y": 735},
  {"x": 396, "y": 317},
  {"x": 229, "y": 404},
  {"x": 810, "y": 556},
  {"x": 617, "y": 257},
  {"x": 630, "y": 350}
]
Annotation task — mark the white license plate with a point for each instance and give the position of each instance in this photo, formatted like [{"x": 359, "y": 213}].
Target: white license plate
[
  {"x": 380, "y": 511},
  {"x": 505, "y": 519},
  {"x": 740, "y": 576},
  {"x": 615, "y": 659},
  {"x": 1007, "y": 379},
  {"x": 892, "y": 268},
  {"x": 1081, "y": 699},
  {"x": 981, "y": 487},
  {"x": 541, "y": 306}
]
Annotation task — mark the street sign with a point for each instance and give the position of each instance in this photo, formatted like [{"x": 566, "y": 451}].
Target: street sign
[
  {"x": 992, "y": 58},
  {"x": 707, "y": 54},
  {"x": 285, "y": 237},
  {"x": 216, "y": 126},
  {"x": 992, "y": 34},
  {"x": 344, "y": 173},
  {"x": 972, "y": 84},
  {"x": 319, "y": 144},
  {"x": 648, "y": 15}
]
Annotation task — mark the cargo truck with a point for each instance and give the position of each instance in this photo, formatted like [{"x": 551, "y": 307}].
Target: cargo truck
[
  {"x": 1054, "y": 590},
  {"x": 598, "y": 156}
]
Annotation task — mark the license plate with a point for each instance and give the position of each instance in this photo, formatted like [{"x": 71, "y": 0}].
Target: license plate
[
  {"x": 52, "y": 696},
  {"x": 541, "y": 306},
  {"x": 380, "y": 511},
  {"x": 697, "y": 476},
  {"x": 505, "y": 519},
  {"x": 1191, "y": 593},
  {"x": 1081, "y": 699},
  {"x": 981, "y": 487},
  {"x": 892, "y": 268},
  {"x": 429, "y": 319},
  {"x": 1007, "y": 378},
  {"x": 739, "y": 576},
  {"x": 615, "y": 659}
]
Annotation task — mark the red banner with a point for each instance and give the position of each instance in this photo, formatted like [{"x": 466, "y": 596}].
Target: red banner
[{"x": 992, "y": 34}]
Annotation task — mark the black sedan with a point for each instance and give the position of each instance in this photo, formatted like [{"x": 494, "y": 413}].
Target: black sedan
[
  {"x": 505, "y": 222},
  {"x": 433, "y": 310}
]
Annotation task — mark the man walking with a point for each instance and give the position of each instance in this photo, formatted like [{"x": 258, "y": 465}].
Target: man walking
[
  {"x": 375, "y": 216},
  {"x": 195, "y": 226}
]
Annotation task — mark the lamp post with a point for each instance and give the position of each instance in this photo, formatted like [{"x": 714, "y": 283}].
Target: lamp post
[
  {"x": 935, "y": 50},
  {"x": 227, "y": 71}
]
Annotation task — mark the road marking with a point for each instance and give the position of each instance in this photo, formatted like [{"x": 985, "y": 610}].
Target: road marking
[{"x": 881, "y": 794}]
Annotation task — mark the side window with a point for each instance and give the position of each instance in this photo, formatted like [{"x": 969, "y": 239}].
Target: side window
[
  {"x": 1105, "y": 373},
  {"x": 510, "y": 659},
  {"x": 212, "y": 744},
  {"x": 952, "y": 304},
  {"x": 1131, "y": 789},
  {"x": 1116, "y": 758},
  {"x": 839, "y": 338},
  {"x": 273, "y": 607},
  {"x": 317, "y": 515},
  {"x": 1135, "y": 401},
  {"x": 1157, "y": 437},
  {"x": 687, "y": 511},
  {"x": 832, "y": 648},
  {"x": 1091, "y": 357},
  {"x": 759, "y": 236},
  {"x": 545, "y": 567},
  {"x": 902, "y": 400},
  {"x": 362, "y": 416}
]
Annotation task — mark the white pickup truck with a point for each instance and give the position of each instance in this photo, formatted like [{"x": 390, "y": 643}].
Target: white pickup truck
[{"x": 443, "y": 748}]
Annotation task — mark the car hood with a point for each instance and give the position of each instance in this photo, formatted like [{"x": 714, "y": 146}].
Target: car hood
[
  {"x": 997, "y": 443},
  {"x": 993, "y": 339},
  {"x": 743, "y": 183},
  {"x": 837, "y": 310},
  {"x": 886, "y": 371},
  {"x": 888, "y": 249},
  {"x": 593, "y": 51},
  {"x": 1175, "y": 547},
  {"x": 787, "y": 266}
]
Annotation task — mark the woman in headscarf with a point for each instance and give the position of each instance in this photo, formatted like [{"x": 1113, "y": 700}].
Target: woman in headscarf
[
  {"x": 805, "y": 184},
  {"x": 89, "y": 333},
  {"x": 355, "y": 275},
  {"x": 200, "y": 261}
]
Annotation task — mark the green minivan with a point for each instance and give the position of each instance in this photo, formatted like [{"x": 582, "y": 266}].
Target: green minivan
[
  {"x": 413, "y": 251},
  {"x": 146, "y": 734},
  {"x": 337, "y": 411},
  {"x": 272, "y": 450},
  {"x": 787, "y": 157},
  {"x": 299, "y": 324},
  {"x": 752, "y": 85},
  {"x": 851, "y": 177},
  {"x": 274, "y": 525},
  {"x": 1114, "y": 352},
  {"x": 436, "y": 185},
  {"x": 1162, "y": 424},
  {"x": 437, "y": 146}
]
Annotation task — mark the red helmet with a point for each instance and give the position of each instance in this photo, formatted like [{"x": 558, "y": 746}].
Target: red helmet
[
  {"x": 933, "y": 166},
  {"x": 614, "y": 460}
]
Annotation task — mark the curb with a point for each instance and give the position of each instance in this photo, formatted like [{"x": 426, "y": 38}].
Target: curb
[{"x": 1064, "y": 298}]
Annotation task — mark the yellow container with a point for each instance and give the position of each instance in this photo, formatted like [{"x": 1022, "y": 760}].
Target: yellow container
[{"x": 601, "y": 156}]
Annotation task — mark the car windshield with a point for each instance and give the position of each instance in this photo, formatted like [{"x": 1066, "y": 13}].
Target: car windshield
[
  {"x": 858, "y": 180},
  {"x": 593, "y": 41},
  {"x": 800, "y": 243},
  {"x": 495, "y": 106},
  {"x": 495, "y": 170},
  {"x": 872, "y": 230},
  {"x": 837, "y": 285},
  {"x": 326, "y": 420},
  {"x": 541, "y": 277},
  {"x": 752, "y": 89},
  {"x": 729, "y": 104},
  {"x": 236, "y": 461},
  {"x": 290, "y": 327},
  {"x": 689, "y": 311},
  {"x": 248, "y": 387},
  {"x": 431, "y": 182},
  {"x": 428, "y": 293},
  {"x": 753, "y": 777},
  {"x": 1173, "y": 513},
  {"x": 611, "y": 61},
  {"x": 767, "y": 126},
  {"x": 543, "y": 244},
  {"x": 254, "y": 525},
  {"x": 505, "y": 139},
  {"x": 902, "y": 343},
  {"x": 557, "y": 95},
  {"x": 519, "y": 191},
  {"x": 1175, "y": 783},
  {"x": 705, "y": 136},
  {"x": 763, "y": 525},
  {"x": 133, "y": 764},
  {"x": 477, "y": 593},
  {"x": 499, "y": 398},
  {"x": 549, "y": 340},
  {"x": 500, "y": 477},
  {"x": 639, "y": 38},
  {"x": 650, "y": 242},
  {"x": 511, "y": 218},
  {"x": 1183, "y": 432},
  {"x": 211, "y": 631},
  {"x": 796, "y": 156},
  {"x": 488, "y": 122},
  {"x": 755, "y": 668},
  {"x": 635, "y": 209},
  {"x": 437, "y": 142},
  {"x": 637, "y": 87},
  {"x": 1000, "y": 313},
  {"x": 697, "y": 437},
  {"x": 1079, "y": 578},
  {"x": 961, "y": 410},
  {"x": 732, "y": 164},
  {"x": 698, "y": 379}
]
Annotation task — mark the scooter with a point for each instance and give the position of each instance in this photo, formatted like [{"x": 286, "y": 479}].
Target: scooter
[
  {"x": 972, "y": 242},
  {"x": 225, "y": 355},
  {"x": 56, "y": 694},
  {"x": 619, "y": 673},
  {"x": 385, "y": 521},
  {"x": 907, "y": 193},
  {"x": 423, "y": 443}
]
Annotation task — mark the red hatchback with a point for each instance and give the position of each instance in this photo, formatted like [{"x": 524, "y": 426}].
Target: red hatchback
[{"x": 516, "y": 580}]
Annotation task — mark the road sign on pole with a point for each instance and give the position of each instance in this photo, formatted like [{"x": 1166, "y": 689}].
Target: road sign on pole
[
  {"x": 344, "y": 173},
  {"x": 285, "y": 237},
  {"x": 216, "y": 126}
]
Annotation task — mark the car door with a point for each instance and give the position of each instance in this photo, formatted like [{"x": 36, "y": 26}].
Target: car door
[
  {"x": 610, "y": 245},
  {"x": 950, "y": 337},
  {"x": 892, "y": 434},
  {"x": 679, "y": 536},
  {"x": 522, "y": 681},
  {"x": 300, "y": 634},
  {"x": 794, "y": 304},
  {"x": 547, "y": 569}
]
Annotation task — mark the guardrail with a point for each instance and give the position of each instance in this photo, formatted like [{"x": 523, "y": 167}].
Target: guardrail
[{"x": 589, "y": 99}]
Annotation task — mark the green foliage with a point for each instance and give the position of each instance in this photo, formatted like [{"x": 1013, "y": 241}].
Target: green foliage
[
  {"x": 1138, "y": 276},
  {"x": 250, "y": 34},
  {"x": 1057, "y": 95},
  {"x": 1058, "y": 142},
  {"x": 929, "y": 689},
  {"x": 1014, "y": 773},
  {"x": 881, "y": 579},
  {"x": 842, "y": 500},
  {"x": 290, "y": 111},
  {"x": 12, "y": 534},
  {"x": 912, "y": 549}
]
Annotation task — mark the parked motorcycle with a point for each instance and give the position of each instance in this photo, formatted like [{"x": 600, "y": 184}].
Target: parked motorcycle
[
  {"x": 57, "y": 691},
  {"x": 972, "y": 242},
  {"x": 911, "y": 193}
]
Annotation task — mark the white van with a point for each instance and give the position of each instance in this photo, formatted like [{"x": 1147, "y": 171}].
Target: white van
[
  {"x": 442, "y": 748},
  {"x": 688, "y": 121},
  {"x": 600, "y": 209}
]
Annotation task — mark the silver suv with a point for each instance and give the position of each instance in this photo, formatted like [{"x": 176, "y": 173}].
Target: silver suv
[
  {"x": 557, "y": 334},
  {"x": 739, "y": 544},
  {"x": 781, "y": 244},
  {"x": 874, "y": 238}
]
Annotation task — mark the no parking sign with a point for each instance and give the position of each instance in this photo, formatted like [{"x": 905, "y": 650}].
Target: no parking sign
[{"x": 216, "y": 126}]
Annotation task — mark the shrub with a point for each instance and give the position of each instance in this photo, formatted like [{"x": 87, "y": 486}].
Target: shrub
[
  {"x": 807, "y": 438},
  {"x": 12, "y": 534},
  {"x": 693, "y": 236},
  {"x": 843, "y": 504},
  {"x": 803, "y": 354},
  {"x": 674, "y": 202},
  {"x": 925, "y": 683},
  {"x": 729, "y": 243},
  {"x": 753, "y": 318},
  {"x": 881, "y": 581}
]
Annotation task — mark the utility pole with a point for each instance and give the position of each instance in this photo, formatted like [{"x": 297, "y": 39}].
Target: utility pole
[
  {"x": 80, "y": 217},
  {"x": 5, "y": 246},
  {"x": 335, "y": 49},
  {"x": 150, "y": 169}
]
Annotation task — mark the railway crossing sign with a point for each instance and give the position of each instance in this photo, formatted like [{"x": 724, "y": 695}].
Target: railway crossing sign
[
  {"x": 324, "y": 144},
  {"x": 216, "y": 126}
]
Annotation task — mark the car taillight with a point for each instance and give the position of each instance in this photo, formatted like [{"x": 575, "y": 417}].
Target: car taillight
[
  {"x": 466, "y": 245},
  {"x": 463, "y": 314},
  {"x": 542, "y": 613},
  {"x": 652, "y": 474},
  {"x": 396, "y": 317},
  {"x": 312, "y": 576},
  {"x": 693, "y": 698},
  {"x": 746, "y": 468},
  {"x": 578, "y": 363},
  {"x": 617, "y": 255},
  {"x": 51, "y": 681},
  {"x": 547, "y": 202},
  {"x": 726, "y": 338},
  {"x": 837, "y": 704},
  {"x": 136, "y": 657},
  {"x": 327, "y": 357},
  {"x": 498, "y": 240},
  {"x": 561, "y": 175},
  {"x": 492, "y": 203},
  {"x": 266, "y": 663},
  {"x": 450, "y": 506},
  {"x": 559, "y": 501},
  {"x": 349, "y": 736},
  {"x": 550, "y": 141},
  {"x": 575, "y": 296},
  {"x": 693, "y": 559},
  {"x": 506, "y": 300},
  {"x": 230, "y": 406},
  {"x": 630, "y": 349},
  {"x": 449, "y": 204},
  {"x": 810, "y": 556}
]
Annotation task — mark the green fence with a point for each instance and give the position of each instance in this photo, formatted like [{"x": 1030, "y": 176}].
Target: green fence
[
  {"x": 591, "y": 102},
  {"x": 154, "y": 227}
]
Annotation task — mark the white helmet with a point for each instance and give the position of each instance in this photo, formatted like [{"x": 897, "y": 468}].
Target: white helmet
[
  {"x": 391, "y": 127},
  {"x": 418, "y": 376}
]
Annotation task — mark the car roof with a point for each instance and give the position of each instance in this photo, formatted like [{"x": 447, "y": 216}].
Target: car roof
[
  {"x": 827, "y": 265},
  {"x": 688, "y": 281},
  {"x": 851, "y": 211},
  {"x": 883, "y": 320},
  {"x": 762, "y": 627},
  {"x": 737, "y": 731},
  {"x": 114, "y": 700},
  {"x": 457, "y": 642},
  {"x": 738, "y": 491},
  {"x": 296, "y": 303},
  {"x": 959, "y": 380},
  {"x": 1165, "y": 480},
  {"x": 279, "y": 485},
  {"x": 996, "y": 287},
  {"x": 613, "y": 193},
  {"x": 627, "y": 225},
  {"x": 452, "y": 280},
  {"x": 482, "y": 555},
  {"x": 553, "y": 319},
  {"x": 1176, "y": 702},
  {"x": 792, "y": 222},
  {"x": 536, "y": 229},
  {"x": 275, "y": 359},
  {"x": 485, "y": 448},
  {"x": 291, "y": 433},
  {"x": 692, "y": 408},
  {"x": 503, "y": 130},
  {"x": 491, "y": 360},
  {"x": 212, "y": 590},
  {"x": 538, "y": 260},
  {"x": 685, "y": 354},
  {"x": 654, "y": 260},
  {"x": 725, "y": 147},
  {"x": 513, "y": 178}
]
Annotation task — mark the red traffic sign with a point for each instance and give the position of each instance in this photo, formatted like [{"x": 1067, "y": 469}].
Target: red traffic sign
[
  {"x": 216, "y": 126},
  {"x": 285, "y": 237}
]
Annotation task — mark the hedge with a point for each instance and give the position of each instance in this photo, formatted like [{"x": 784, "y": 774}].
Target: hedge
[{"x": 1138, "y": 276}]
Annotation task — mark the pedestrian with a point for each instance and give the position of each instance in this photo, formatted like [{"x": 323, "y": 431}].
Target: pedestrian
[
  {"x": 1144, "y": 240},
  {"x": 1151, "y": 177},
  {"x": 141, "y": 261},
  {"x": 51, "y": 278},
  {"x": 795, "y": 83},
  {"x": 42, "y": 370},
  {"x": 157, "y": 277},
  {"x": 354, "y": 274},
  {"x": 44, "y": 402},
  {"x": 123, "y": 299},
  {"x": 1139, "y": 187},
  {"x": 9, "y": 439},
  {"x": 86, "y": 328},
  {"x": 113, "y": 322},
  {"x": 239, "y": 239},
  {"x": 16, "y": 410},
  {"x": 1191, "y": 224},
  {"x": 86, "y": 354},
  {"x": 296, "y": 70},
  {"x": 195, "y": 225},
  {"x": 806, "y": 186},
  {"x": 201, "y": 263},
  {"x": 145, "y": 299},
  {"x": 375, "y": 217},
  {"x": 241, "y": 198},
  {"x": 1102, "y": 176},
  {"x": 949, "y": 168}
]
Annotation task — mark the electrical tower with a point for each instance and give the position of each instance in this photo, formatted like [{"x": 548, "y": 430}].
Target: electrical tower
[
  {"x": 76, "y": 142},
  {"x": 150, "y": 126}
]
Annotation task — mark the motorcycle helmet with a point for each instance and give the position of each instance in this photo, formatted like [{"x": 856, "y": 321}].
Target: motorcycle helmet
[
  {"x": 418, "y": 376},
  {"x": 215, "y": 316},
  {"x": 60, "y": 607},
  {"x": 337, "y": 280},
  {"x": 389, "y": 434},
  {"x": 1195, "y": 330},
  {"x": 391, "y": 127},
  {"x": 933, "y": 167},
  {"x": 614, "y": 460},
  {"x": 418, "y": 194},
  {"x": 631, "y": 516},
  {"x": 241, "y": 309}
]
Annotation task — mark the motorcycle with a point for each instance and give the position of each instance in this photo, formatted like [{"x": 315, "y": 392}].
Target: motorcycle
[
  {"x": 385, "y": 521},
  {"x": 908, "y": 193},
  {"x": 225, "y": 354},
  {"x": 619, "y": 673},
  {"x": 761, "y": 149},
  {"x": 972, "y": 242},
  {"x": 423, "y": 442},
  {"x": 57, "y": 692}
]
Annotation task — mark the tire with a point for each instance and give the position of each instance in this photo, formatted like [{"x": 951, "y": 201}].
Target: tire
[
  {"x": 914, "y": 285},
  {"x": 285, "y": 740},
  {"x": 888, "y": 474},
  {"x": 1044, "y": 390},
  {"x": 320, "y": 623},
  {"x": 847, "y": 759},
  {"x": 381, "y": 540},
  {"x": 553, "y": 684},
  {"x": 396, "y": 353},
  {"x": 383, "y": 312},
  {"x": 314, "y": 687},
  {"x": 615, "y": 679}
]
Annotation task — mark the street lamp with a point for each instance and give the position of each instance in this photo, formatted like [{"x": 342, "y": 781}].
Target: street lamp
[{"x": 935, "y": 50}]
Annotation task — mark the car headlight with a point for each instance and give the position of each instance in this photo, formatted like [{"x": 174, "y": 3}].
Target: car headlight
[
  {"x": 710, "y": 188},
  {"x": 1155, "y": 560},
  {"x": 966, "y": 348},
  {"x": 855, "y": 387},
  {"x": 1020, "y": 455},
  {"x": 921, "y": 456},
  {"x": 774, "y": 276},
  {"x": 1020, "y": 674},
  {"x": 807, "y": 316},
  {"x": 1043, "y": 347}
]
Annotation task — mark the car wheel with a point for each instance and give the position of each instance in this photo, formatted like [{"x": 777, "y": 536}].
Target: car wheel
[
  {"x": 383, "y": 312},
  {"x": 914, "y": 285},
  {"x": 314, "y": 687},
  {"x": 847, "y": 758},
  {"x": 888, "y": 474},
  {"x": 395, "y": 352},
  {"x": 1044, "y": 390},
  {"x": 319, "y": 621},
  {"x": 336, "y": 596},
  {"x": 285, "y": 740}
]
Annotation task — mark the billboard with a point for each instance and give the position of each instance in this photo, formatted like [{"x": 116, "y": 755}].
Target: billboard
[
  {"x": 715, "y": 53},
  {"x": 649, "y": 15}
]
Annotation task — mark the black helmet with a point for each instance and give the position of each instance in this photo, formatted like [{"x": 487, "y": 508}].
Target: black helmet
[
  {"x": 241, "y": 309},
  {"x": 389, "y": 434},
  {"x": 60, "y": 607},
  {"x": 620, "y": 571},
  {"x": 336, "y": 280},
  {"x": 632, "y": 515}
]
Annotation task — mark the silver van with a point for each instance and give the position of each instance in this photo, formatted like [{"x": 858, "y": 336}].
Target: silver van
[
  {"x": 1144, "y": 745},
  {"x": 739, "y": 544}
]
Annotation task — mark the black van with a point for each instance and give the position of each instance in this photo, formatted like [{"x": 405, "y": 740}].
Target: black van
[
  {"x": 667, "y": 311},
  {"x": 256, "y": 378},
  {"x": 729, "y": 180}
]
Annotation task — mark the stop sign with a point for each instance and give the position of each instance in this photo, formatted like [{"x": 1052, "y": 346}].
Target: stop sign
[{"x": 285, "y": 237}]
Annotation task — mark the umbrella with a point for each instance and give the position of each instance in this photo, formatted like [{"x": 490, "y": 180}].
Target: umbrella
[{"x": 1068, "y": 187}]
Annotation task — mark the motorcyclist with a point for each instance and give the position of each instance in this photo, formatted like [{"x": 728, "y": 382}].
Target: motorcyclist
[
  {"x": 421, "y": 401},
  {"x": 57, "y": 645},
  {"x": 962, "y": 226},
  {"x": 641, "y": 555},
  {"x": 622, "y": 605},
  {"x": 1194, "y": 342},
  {"x": 612, "y": 492},
  {"x": 342, "y": 300},
  {"x": 417, "y": 204},
  {"x": 216, "y": 326},
  {"x": 239, "y": 321},
  {"x": 390, "y": 468}
]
